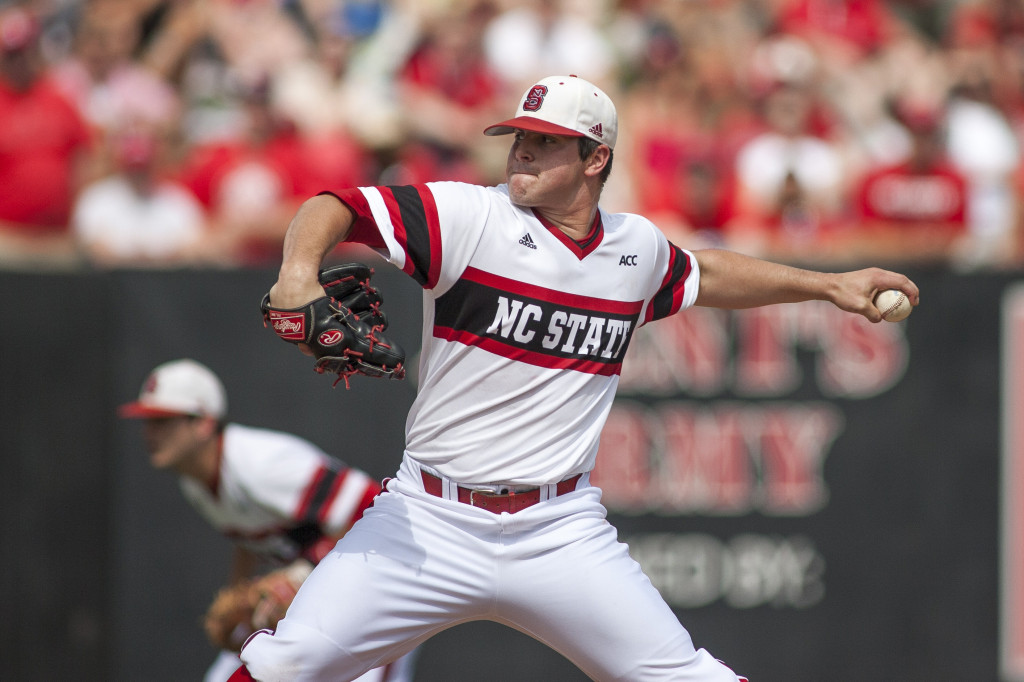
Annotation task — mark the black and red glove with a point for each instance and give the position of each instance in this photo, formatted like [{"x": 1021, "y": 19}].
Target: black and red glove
[{"x": 344, "y": 328}]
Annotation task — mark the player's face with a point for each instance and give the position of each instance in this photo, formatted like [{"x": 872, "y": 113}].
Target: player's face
[
  {"x": 172, "y": 442},
  {"x": 543, "y": 170}
]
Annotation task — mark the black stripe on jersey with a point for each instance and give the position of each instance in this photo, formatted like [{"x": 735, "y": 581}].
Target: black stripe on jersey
[
  {"x": 668, "y": 299},
  {"x": 414, "y": 220},
  {"x": 321, "y": 494},
  {"x": 546, "y": 332}
]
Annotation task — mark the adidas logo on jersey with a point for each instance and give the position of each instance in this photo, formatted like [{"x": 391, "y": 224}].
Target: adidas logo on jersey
[
  {"x": 597, "y": 130},
  {"x": 527, "y": 240}
]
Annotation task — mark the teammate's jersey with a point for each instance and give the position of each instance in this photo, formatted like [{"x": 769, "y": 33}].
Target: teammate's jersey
[
  {"x": 536, "y": 324},
  {"x": 279, "y": 495}
]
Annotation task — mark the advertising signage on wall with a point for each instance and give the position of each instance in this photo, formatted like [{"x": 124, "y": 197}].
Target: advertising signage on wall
[{"x": 734, "y": 415}]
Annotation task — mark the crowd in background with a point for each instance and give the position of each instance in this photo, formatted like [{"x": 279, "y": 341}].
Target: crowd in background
[{"x": 140, "y": 133}]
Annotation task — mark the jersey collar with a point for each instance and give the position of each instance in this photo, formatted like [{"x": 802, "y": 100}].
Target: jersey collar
[{"x": 583, "y": 247}]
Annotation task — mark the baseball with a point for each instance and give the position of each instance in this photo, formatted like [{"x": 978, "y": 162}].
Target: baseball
[{"x": 894, "y": 304}]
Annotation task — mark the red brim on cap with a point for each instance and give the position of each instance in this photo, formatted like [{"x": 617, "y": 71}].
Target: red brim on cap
[
  {"x": 534, "y": 125},
  {"x": 143, "y": 411}
]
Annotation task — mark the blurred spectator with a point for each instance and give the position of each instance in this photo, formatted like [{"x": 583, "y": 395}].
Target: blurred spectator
[
  {"x": 529, "y": 39},
  {"x": 44, "y": 149},
  {"x": 109, "y": 87},
  {"x": 907, "y": 68},
  {"x": 136, "y": 216},
  {"x": 448, "y": 94},
  {"x": 982, "y": 143},
  {"x": 841, "y": 31},
  {"x": 252, "y": 182},
  {"x": 684, "y": 118},
  {"x": 347, "y": 84},
  {"x": 914, "y": 211},
  {"x": 789, "y": 183}
]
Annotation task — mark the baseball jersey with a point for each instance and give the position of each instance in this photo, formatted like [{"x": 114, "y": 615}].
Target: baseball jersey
[
  {"x": 524, "y": 329},
  {"x": 280, "y": 496}
]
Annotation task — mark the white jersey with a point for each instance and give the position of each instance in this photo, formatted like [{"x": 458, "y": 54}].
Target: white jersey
[
  {"x": 535, "y": 323},
  {"x": 279, "y": 495}
]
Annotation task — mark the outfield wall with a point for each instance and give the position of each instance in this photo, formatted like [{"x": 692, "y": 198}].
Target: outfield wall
[{"x": 811, "y": 493}]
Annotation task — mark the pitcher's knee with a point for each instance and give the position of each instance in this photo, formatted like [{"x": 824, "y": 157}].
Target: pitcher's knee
[{"x": 290, "y": 656}]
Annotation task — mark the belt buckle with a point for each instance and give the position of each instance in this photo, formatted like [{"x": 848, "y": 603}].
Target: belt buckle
[{"x": 488, "y": 494}]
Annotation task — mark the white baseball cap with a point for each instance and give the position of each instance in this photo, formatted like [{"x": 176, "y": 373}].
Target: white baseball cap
[
  {"x": 179, "y": 387},
  {"x": 564, "y": 105}
]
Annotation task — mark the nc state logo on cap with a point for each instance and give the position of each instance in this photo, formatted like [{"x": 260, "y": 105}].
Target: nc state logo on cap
[{"x": 535, "y": 98}]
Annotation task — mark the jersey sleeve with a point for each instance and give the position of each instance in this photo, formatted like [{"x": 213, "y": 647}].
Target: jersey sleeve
[
  {"x": 426, "y": 230},
  {"x": 312, "y": 493},
  {"x": 679, "y": 283}
]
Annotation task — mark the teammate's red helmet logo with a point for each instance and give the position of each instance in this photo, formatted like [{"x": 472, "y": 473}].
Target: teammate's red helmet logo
[
  {"x": 330, "y": 337},
  {"x": 535, "y": 98}
]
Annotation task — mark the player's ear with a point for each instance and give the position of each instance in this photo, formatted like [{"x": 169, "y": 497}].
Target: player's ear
[
  {"x": 597, "y": 160},
  {"x": 206, "y": 427}
]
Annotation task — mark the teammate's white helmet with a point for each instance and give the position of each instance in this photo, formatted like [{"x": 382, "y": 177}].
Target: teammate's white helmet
[{"x": 179, "y": 387}]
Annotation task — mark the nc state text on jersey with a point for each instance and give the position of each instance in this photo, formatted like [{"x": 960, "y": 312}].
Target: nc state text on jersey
[{"x": 537, "y": 325}]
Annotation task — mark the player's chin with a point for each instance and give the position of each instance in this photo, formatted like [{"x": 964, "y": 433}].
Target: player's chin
[
  {"x": 161, "y": 459},
  {"x": 519, "y": 188}
]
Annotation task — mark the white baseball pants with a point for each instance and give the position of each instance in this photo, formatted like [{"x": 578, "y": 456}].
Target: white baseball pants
[{"x": 415, "y": 565}]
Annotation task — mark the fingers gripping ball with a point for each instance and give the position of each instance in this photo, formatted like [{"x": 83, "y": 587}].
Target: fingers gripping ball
[
  {"x": 344, "y": 328},
  {"x": 893, "y": 304}
]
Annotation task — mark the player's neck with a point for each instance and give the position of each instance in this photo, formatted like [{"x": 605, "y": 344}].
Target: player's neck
[
  {"x": 575, "y": 223},
  {"x": 576, "y": 219},
  {"x": 204, "y": 468}
]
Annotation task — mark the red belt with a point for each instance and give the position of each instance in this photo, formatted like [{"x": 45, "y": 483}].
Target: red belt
[{"x": 510, "y": 502}]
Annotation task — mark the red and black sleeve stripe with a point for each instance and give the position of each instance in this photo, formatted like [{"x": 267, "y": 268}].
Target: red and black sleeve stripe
[{"x": 669, "y": 298}]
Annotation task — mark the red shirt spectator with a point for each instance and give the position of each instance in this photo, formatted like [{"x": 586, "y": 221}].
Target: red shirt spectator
[
  {"x": 862, "y": 25},
  {"x": 908, "y": 195},
  {"x": 915, "y": 210},
  {"x": 253, "y": 184},
  {"x": 42, "y": 135}
]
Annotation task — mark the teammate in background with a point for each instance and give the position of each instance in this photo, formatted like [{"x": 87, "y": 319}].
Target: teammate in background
[
  {"x": 531, "y": 293},
  {"x": 282, "y": 500}
]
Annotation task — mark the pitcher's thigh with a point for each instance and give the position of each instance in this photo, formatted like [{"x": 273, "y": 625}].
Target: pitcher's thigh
[{"x": 592, "y": 602}]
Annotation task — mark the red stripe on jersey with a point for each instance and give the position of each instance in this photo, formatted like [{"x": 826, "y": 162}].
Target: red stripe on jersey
[
  {"x": 309, "y": 495},
  {"x": 669, "y": 299},
  {"x": 242, "y": 674},
  {"x": 679, "y": 287},
  {"x": 325, "y": 505},
  {"x": 550, "y": 295},
  {"x": 364, "y": 228},
  {"x": 398, "y": 226},
  {"x": 526, "y": 356},
  {"x": 433, "y": 233},
  {"x": 369, "y": 495}
]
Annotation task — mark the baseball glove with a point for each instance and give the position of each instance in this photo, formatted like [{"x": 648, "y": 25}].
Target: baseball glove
[
  {"x": 344, "y": 328},
  {"x": 239, "y": 610}
]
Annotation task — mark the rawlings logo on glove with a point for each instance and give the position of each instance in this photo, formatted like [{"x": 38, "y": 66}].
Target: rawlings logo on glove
[{"x": 344, "y": 328}]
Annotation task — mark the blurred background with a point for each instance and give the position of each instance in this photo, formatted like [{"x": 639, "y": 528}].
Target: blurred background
[{"x": 817, "y": 497}]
